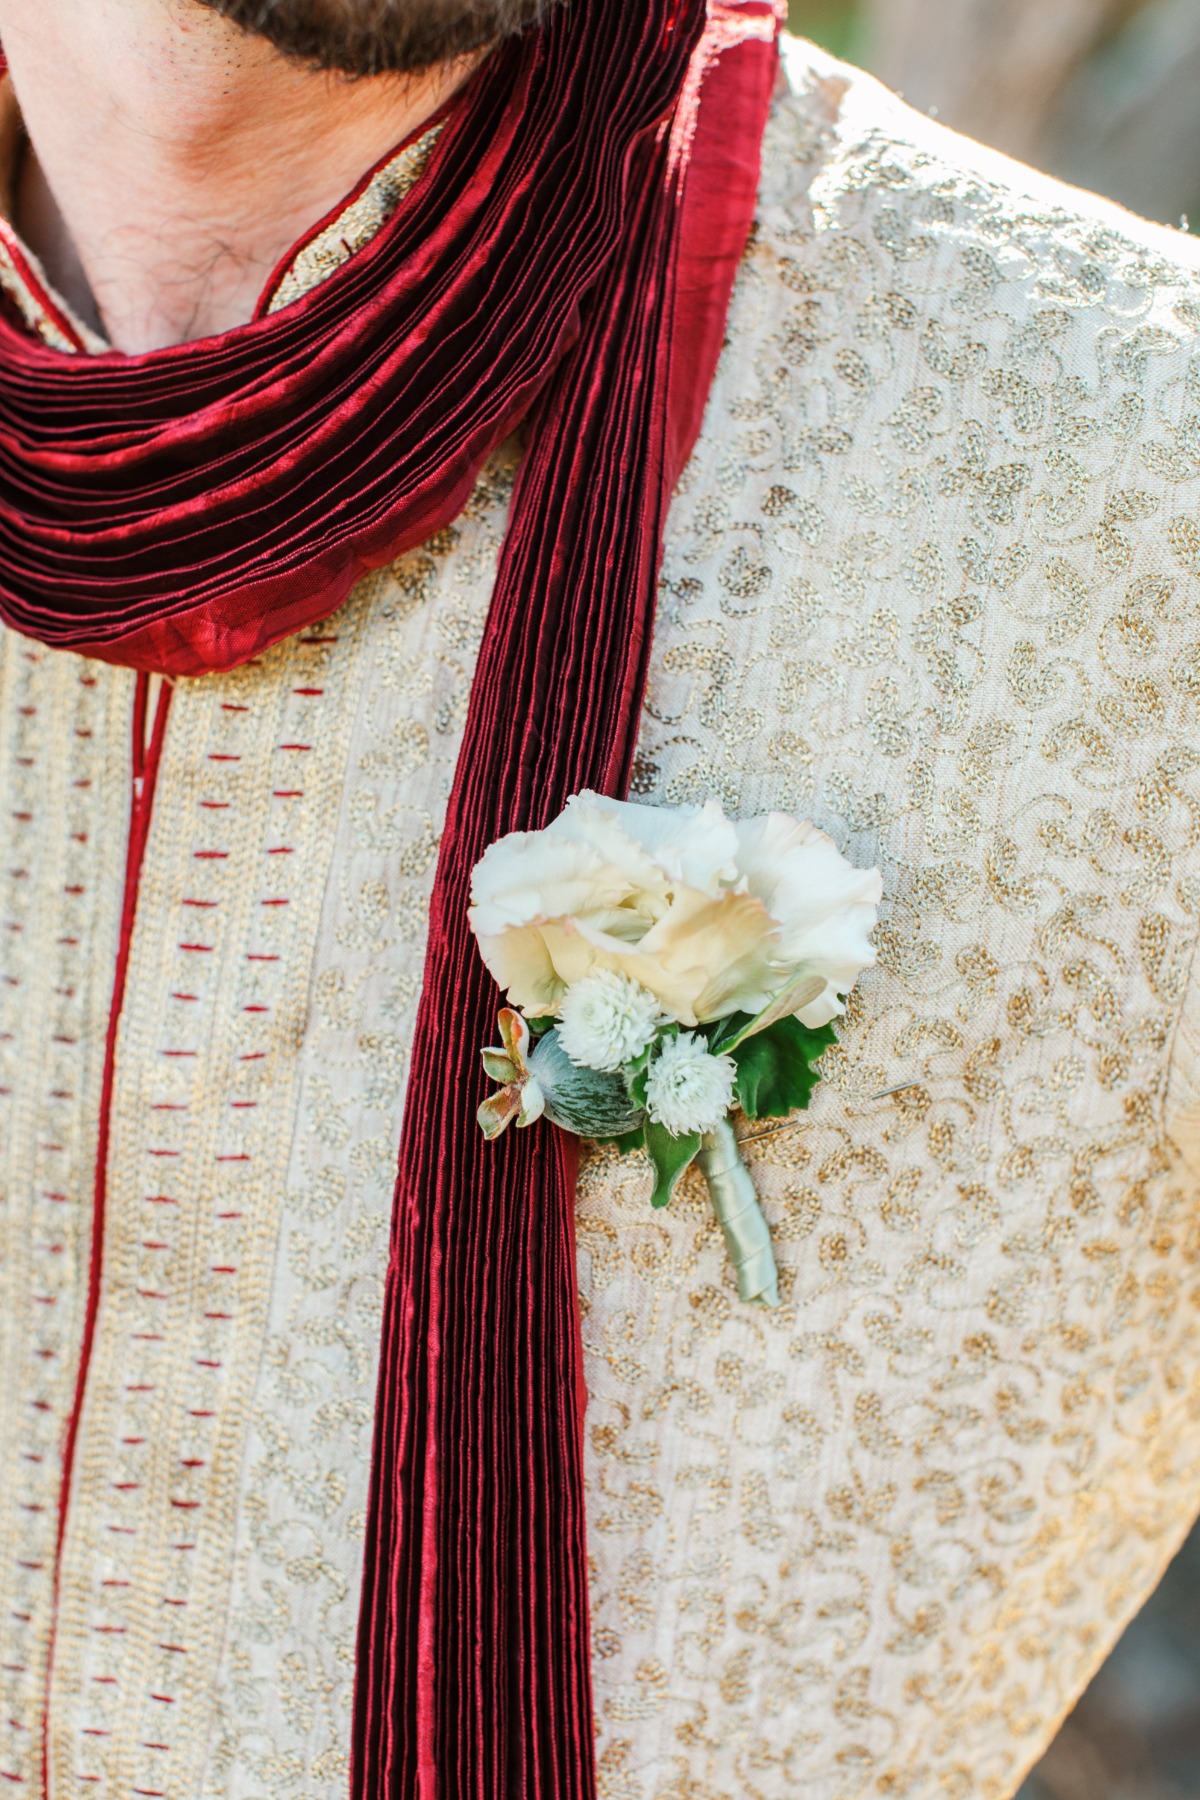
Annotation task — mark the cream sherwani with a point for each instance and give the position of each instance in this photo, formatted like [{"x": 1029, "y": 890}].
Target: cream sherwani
[{"x": 932, "y": 579}]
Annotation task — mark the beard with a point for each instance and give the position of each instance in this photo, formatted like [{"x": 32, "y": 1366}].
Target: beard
[{"x": 378, "y": 37}]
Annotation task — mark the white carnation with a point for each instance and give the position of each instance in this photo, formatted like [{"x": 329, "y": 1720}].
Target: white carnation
[
  {"x": 607, "y": 1019},
  {"x": 713, "y": 916},
  {"x": 688, "y": 1088}
]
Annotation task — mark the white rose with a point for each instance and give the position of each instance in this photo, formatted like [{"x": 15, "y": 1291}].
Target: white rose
[{"x": 711, "y": 917}]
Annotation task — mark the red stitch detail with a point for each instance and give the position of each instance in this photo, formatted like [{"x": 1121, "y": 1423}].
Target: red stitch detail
[
  {"x": 211, "y": 855},
  {"x": 185, "y": 996},
  {"x": 260, "y": 956},
  {"x": 278, "y": 794},
  {"x": 295, "y": 746},
  {"x": 198, "y": 949},
  {"x": 306, "y": 692},
  {"x": 164, "y": 1699}
]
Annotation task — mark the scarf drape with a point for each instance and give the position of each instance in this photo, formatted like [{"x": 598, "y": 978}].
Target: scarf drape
[{"x": 566, "y": 259}]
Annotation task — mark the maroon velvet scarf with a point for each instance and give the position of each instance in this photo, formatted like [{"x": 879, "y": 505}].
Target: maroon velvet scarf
[{"x": 566, "y": 259}]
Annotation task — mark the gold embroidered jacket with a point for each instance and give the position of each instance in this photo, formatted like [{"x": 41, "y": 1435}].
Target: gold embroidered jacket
[{"x": 931, "y": 579}]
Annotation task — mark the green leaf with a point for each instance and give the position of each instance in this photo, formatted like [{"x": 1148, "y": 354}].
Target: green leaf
[
  {"x": 540, "y": 1024},
  {"x": 498, "y": 1066},
  {"x": 670, "y": 1157},
  {"x": 776, "y": 1068},
  {"x": 798, "y": 993},
  {"x": 627, "y": 1142}
]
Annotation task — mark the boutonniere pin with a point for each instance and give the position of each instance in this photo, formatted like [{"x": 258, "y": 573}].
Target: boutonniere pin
[{"x": 664, "y": 966}]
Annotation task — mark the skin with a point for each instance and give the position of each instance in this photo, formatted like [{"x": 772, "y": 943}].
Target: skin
[{"x": 173, "y": 158}]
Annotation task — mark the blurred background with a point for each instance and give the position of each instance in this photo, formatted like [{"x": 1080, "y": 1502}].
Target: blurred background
[{"x": 1106, "y": 94}]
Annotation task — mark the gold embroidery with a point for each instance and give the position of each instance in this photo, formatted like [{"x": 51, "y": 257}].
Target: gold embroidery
[
  {"x": 294, "y": 1605},
  {"x": 922, "y": 580},
  {"x": 64, "y": 736},
  {"x": 202, "y": 1121},
  {"x": 355, "y": 224},
  {"x": 931, "y": 577}
]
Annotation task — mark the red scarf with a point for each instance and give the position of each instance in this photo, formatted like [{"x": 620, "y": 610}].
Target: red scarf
[{"x": 567, "y": 258}]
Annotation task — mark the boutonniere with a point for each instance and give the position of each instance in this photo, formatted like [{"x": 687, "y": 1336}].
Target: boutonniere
[{"x": 664, "y": 966}]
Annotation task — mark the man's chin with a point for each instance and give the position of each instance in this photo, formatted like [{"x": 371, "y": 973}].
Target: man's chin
[{"x": 377, "y": 37}]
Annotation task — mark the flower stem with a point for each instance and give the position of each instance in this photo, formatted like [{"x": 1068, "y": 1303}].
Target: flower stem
[{"x": 735, "y": 1202}]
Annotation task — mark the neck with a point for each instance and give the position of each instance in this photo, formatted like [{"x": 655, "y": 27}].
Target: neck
[{"x": 173, "y": 159}]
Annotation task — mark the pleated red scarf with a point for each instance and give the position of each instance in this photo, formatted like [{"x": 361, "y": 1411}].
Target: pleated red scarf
[{"x": 566, "y": 259}]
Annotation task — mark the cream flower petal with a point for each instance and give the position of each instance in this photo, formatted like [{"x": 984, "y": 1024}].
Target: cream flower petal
[
  {"x": 825, "y": 906},
  {"x": 709, "y": 916},
  {"x": 532, "y": 874},
  {"x": 598, "y": 823},
  {"x": 695, "y": 846}
]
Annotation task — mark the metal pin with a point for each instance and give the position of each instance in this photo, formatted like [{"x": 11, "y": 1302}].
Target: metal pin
[{"x": 901, "y": 1087}]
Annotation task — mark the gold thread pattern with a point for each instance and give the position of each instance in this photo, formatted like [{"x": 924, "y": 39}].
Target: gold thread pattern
[
  {"x": 202, "y": 1121},
  {"x": 356, "y": 223},
  {"x": 64, "y": 737},
  {"x": 931, "y": 577},
  {"x": 284, "y": 1690}
]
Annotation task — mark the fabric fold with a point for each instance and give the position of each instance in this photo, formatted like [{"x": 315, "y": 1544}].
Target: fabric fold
[{"x": 566, "y": 259}]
